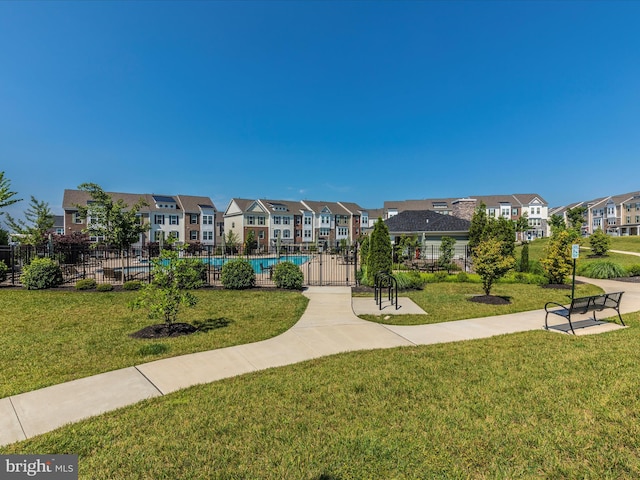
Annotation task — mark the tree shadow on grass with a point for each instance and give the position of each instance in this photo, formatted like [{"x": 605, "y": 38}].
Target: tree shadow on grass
[{"x": 212, "y": 324}]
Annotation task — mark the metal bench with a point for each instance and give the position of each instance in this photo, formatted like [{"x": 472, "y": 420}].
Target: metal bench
[{"x": 584, "y": 305}]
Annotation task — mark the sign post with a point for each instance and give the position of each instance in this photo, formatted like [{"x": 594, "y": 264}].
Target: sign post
[{"x": 575, "y": 254}]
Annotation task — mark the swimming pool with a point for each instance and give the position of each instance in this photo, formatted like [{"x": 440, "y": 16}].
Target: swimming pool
[{"x": 257, "y": 262}]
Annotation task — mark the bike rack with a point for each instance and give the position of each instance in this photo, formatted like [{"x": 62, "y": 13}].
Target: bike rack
[{"x": 386, "y": 281}]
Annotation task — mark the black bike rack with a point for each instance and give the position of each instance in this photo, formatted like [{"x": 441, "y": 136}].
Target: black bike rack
[{"x": 386, "y": 281}]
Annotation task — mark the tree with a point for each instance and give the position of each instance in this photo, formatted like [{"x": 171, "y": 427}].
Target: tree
[
  {"x": 575, "y": 217},
  {"x": 557, "y": 223},
  {"x": 557, "y": 262},
  {"x": 250, "y": 242},
  {"x": 504, "y": 230},
  {"x": 364, "y": 249},
  {"x": 478, "y": 226},
  {"x": 167, "y": 293},
  {"x": 6, "y": 195},
  {"x": 38, "y": 221},
  {"x": 446, "y": 252},
  {"x": 231, "y": 242},
  {"x": 491, "y": 263},
  {"x": 117, "y": 222},
  {"x": 600, "y": 242},
  {"x": 524, "y": 258},
  {"x": 379, "y": 258},
  {"x": 522, "y": 225}
]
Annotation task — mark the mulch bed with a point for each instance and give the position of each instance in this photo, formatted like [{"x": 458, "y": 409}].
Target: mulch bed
[
  {"x": 490, "y": 300},
  {"x": 164, "y": 330}
]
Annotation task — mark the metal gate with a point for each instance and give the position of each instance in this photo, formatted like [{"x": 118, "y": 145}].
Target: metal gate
[{"x": 329, "y": 268}]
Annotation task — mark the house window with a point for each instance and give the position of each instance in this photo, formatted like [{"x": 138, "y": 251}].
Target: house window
[
  {"x": 158, "y": 235},
  {"x": 261, "y": 234},
  {"x": 286, "y": 234},
  {"x": 628, "y": 218},
  {"x": 307, "y": 234},
  {"x": 637, "y": 218},
  {"x": 173, "y": 220},
  {"x": 307, "y": 220},
  {"x": 260, "y": 220},
  {"x": 207, "y": 219},
  {"x": 193, "y": 235},
  {"x": 298, "y": 234},
  {"x": 251, "y": 220},
  {"x": 158, "y": 219},
  {"x": 298, "y": 220},
  {"x": 193, "y": 218},
  {"x": 286, "y": 220},
  {"x": 277, "y": 220},
  {"x": 276, "y": 233},
  {"x": 207, "y": 236},
  {"x": 324, "y": 232},
  {"x": 514, "y": 211},
  {"x": 174, "y": 234},
  {"x": 76, "y": 218}
]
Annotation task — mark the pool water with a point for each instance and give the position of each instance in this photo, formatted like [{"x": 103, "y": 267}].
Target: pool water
[{"x": 266, "y": 261}]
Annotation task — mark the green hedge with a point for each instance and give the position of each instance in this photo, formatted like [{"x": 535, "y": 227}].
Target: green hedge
[{"x": 41, "y": 273}]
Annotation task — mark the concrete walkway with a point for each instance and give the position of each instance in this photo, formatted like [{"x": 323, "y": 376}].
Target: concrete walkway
[{"x": 328, "y": 326}]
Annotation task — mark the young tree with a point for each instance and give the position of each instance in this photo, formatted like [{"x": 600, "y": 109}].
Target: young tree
[
  {"x": 447, "y": 245},
  {"x": 600, "y": 242},
  {"x": 250, "y": 242},
  {"x": 6, "y": 195},
  {"x": 167, "y": 293},
  {"x": 557, "y": 262},
  {"x": 557, "y": 223},
  {"x": 524, "y": 258},
  {"x": 117, "y": 222},
  {"x": 504, "y": 230},
  {"x": 522, "y": 225},
  {"x": 490, "y": 262},
  {"x": 379, "y": 258},
  {"x": 38, "y": 221},
  {"x": 364, "y": 249},
  {"x": 575, "y": 217},
  {"x": 478, "y": 227},
  {"x": 231, "y": 242}
]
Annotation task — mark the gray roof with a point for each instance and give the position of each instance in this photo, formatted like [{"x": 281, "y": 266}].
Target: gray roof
[
  {"x": 189, "y": 203},
  {"x": 519, "y": 199},
  {"x": 415, "y": 221}
]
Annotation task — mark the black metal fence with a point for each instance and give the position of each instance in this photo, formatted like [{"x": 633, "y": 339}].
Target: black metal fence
[{"x": 108, "y": 265}]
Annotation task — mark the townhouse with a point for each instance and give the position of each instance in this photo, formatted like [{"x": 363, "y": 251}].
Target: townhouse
[
  {"x": 512, "y": 207},
  {"x": 616, "y": 215},
  {"x": 295, "y": 223},
  {"x": 185, "y": 218}
]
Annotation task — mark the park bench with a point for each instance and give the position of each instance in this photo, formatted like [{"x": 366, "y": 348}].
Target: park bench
[{"x": 584, "y": 305}]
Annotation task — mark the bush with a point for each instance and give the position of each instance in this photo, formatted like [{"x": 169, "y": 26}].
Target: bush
[
  {"x": 600, "y": 242},
  {"x": 604, "y": 270},
  {"x": 633, "y": 271},
  {"x": 288, "y": 275},
  {"x": 409, "y": 280},
  {"x": 41, "y": 273},
  {"x": 132, "y": 285},
  {"x": 237, "y": 275},
  {"x": 104, "y": 287},
  {"x": 86, "y": 284},
  {"x": 440, "y": 276},
  {"x": 462, "y": 277},
  {"x": 3, "y": 271},
  {"x": 191, "y": 273}
]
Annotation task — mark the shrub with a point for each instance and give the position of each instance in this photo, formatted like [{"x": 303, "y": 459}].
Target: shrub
[
  {"x": 409, "y": 280},
  {"x": 3, "y": 271},
  {"x": 440, "y": 276},
  {"x": 104, "y": 287},
  {"x": 237, "y": 275},
  {"x": 132, "y": 285},
  {"x": 599, "y": 242},
  {"x": 191, "y": 273},
  {"x": 41, "y": 273},
  {"x": 462, "y": 277},
  {"x": 523, "y": 264},
  {"x": 288, "y": 275},
  {"x": 86, "y": 284},
  {"x": 604, "y": 270},
  {"x": 633, "y": 271}
]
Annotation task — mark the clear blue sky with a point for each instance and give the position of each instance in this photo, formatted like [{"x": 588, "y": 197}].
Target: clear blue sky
[{"x": 355, "y": 101}]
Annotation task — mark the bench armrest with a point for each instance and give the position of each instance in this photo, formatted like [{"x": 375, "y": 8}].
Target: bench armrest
[{"x": 553, "y": 304}]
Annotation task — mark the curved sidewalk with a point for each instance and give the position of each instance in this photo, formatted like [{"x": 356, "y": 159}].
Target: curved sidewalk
[{"x": 328, "y": 326}]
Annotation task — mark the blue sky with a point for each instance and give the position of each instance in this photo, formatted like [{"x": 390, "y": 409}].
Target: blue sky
[{"x": 354, "y": 101}]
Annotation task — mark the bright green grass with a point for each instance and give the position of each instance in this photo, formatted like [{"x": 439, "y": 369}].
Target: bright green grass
[
  {"x": 445, "y": 302},
  {"x": 626, "y": 244},
  {"x": 527, "y": 405},
  {"x": 51, "y": 336}
]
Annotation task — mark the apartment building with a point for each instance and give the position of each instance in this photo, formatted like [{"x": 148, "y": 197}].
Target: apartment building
[
  {"x": 511, "y": 206},
  {"x": 185, "y": 218},
  {"x": 297, "y": 223}
]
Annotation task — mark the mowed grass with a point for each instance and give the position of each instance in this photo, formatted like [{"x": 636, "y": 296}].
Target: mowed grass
[
  {"x": 449, "y": 301},
  {"x": 626, "y": 244},
  {"x": 527, "y": 405},
  {"x": 49, "y": 337}
]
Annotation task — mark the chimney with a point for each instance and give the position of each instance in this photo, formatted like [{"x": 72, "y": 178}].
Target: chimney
[{"x": 464, "y": 208}]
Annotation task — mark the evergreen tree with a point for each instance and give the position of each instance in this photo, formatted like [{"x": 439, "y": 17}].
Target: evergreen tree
[
  {"x": 478, "y": 226},
  {"x": 6, "y": 195},
  {"x": 38, "y": 221},
  {"x": 600, "y": 242},
  {"x": 379, "y": 258},
  {"x": 524, "y": 258}
]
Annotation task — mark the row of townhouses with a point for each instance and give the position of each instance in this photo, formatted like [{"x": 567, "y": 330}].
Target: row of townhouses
[
  {"x": 305, "y": 222},
  {"x": 186, "y": 218},
  {"x": 191, "y": 219},
  {"x": 617, "y": 215}
]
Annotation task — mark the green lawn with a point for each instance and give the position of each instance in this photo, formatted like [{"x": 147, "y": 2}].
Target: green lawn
[
  {"x": 53, "y": 336},
  {"x": 527, "y": 405},
  {"x": 444, "y": 302}
]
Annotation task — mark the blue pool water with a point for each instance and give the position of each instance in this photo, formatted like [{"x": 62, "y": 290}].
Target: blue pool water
[{"x": 266, "y": 261}]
